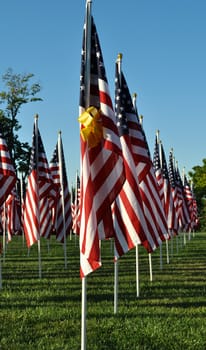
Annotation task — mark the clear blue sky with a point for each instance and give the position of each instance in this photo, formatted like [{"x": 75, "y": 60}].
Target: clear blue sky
[{"x": 164, "y": 61}]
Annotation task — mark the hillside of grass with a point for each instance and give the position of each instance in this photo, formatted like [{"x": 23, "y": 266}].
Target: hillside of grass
[{"x": 45, "y": 314}]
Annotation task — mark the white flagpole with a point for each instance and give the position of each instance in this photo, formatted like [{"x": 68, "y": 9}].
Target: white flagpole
[
  {"x": 115, "y": 285},
  {"x": 4, "y": 233},
  {"x": 37, "y": 152},
  {"x": 84, "y": 312},
  {"x": 137, "y": 270},
  {"x": 167, "y": 251},
  {"x": 87, "y": 102},
  {"x": 62, "y": 196},
  {"x": 150, "y": 267},
  {"x": 0, "y": 272}
]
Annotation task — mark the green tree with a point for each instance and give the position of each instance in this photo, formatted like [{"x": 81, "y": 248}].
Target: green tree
[
  {"x": 19, "y": 90},
  {"x": 198, "y": 176}
]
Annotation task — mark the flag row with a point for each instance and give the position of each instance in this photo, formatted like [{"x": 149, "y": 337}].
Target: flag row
[{"x": 124, "y": 193}]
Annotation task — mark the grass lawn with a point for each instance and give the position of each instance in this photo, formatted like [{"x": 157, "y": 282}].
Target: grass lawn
[{"x": 170, "y": 313}]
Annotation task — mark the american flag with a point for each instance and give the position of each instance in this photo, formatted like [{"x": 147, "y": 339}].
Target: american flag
[
  {"x": 189, "y": 201},
  {"x": 183, "y": 212},
  {"x": 62, "y": 209},
  {"x": 172, "y": 179},
  {"x": 7, "y": 171},
  {"x": 40, "y": 188},
  {"x": 76, "y": 206},
  {"x": 158, "y": 169},
  {"x": 13, "y": 214},
  {"x": 160, "y": 165},
  {"x": 169, "y": 202},
  {"x": 128, "y": 214},
  {"x": 149, "y": 189},
  {"x": 102, "y": 171}
]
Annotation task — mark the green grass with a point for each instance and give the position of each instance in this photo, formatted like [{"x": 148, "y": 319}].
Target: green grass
[{"x": 45, "y": 313}]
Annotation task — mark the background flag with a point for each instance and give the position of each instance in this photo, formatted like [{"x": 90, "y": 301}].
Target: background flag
[
  {"x": 62, "y": 218},
  {"x": 129, "y": 221},
  {"x": 40, "y": 191},
  {"x": 7, "y": 171}
]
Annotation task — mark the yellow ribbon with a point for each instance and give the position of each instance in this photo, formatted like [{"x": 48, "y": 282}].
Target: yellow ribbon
[{"x": 92, "y": 131}]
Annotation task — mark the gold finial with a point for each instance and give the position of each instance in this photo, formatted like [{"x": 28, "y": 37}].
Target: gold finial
[
  {"x": 119, "y": 56},
  {"x": 158, "y": 135},
  {"x": 59, "y": 132},
  {"x": 141, "y": 119},
  {"x": 36, "y": 116},
  {"x": 135, "y": 95}
]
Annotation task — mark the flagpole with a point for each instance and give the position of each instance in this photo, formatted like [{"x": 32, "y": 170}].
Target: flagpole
[
  {"x": 115, "y": 285},
  {"x": 4, "y": 233},
  {"x": 137, "y": 270},
  {"x": 37, "y": 152},
  {"x": 87, "y": 102},
  {"x": 88, "y": 51},
  {"x": 62, "y": 196},
  {"x": 84, "y": 312},
  {"x": 150, "y": 267},
  {"x": 0, "y": 270}
]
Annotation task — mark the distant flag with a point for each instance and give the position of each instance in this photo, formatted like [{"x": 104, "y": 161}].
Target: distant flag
[
  {"x": 195, "y": 210},
  {"x": 76, "y": 206},
  {"x": 102, "y": 172},
  {"x": 129, "y": 220},
  {"x": 157, "y": 162},
  {"x": 62, "y": 208},
  {"x": 13, "y": 214},
  {"x": 189, "y": 199},
  {"x": 183, "y": 212},
  {"x": 168, "y": 203},
  {"x": 40, "y": 187},
  {"x": 7, "y": 171}
]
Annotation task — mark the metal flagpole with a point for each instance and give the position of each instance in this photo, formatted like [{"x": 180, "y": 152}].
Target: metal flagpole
[
  {"x": 0, "y": 271},
  {"x": 87, "y": 102},
  {"x": 137, "y": 270},
  {"x": 183, "y": 177},
  {"x": 62, "y": 196},
  {"x": 37, "y": 152},
  {"x": 115, "y": 285},
  {"x": 4, "y": 233},
  {"x": 150, "y": 267}
]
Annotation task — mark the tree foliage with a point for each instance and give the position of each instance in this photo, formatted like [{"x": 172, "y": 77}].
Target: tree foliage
[
  {"x": 198, "y": 176},
  {"x": 19, "y": 90}
]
